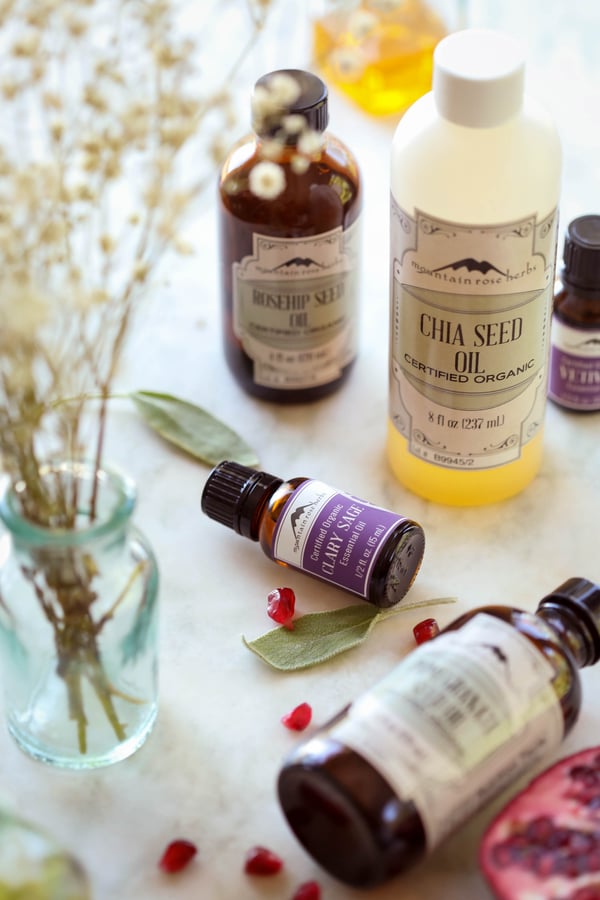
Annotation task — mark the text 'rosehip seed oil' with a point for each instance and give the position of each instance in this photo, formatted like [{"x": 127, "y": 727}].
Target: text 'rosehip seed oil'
[
  {"x": 458, "y": 720},
  {"x": 308, "y": 525}
]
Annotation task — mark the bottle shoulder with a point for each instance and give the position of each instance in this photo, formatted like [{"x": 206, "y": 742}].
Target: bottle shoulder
[
  {"x": 475, "y": 175},
  {"x": 577, "y": 309},
  {"x": 250, "y": 150},
  {"x": 322, "y": 194}
]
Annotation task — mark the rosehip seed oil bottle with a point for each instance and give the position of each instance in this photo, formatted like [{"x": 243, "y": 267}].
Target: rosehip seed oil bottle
[
  {"x": 457, "y": 721},
  {"x": 290, "y": 254}
]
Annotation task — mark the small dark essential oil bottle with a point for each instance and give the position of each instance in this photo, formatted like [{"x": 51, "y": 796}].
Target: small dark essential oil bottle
[
  {"x": 574, "y": 380},
  {"x": 290, "y": 263},
  {"x": 310, "y": 526},
  {"x": 459, "y": 719}
]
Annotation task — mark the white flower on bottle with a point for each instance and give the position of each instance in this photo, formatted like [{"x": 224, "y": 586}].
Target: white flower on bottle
[
  {"x": 349, "y": 62},
  {"x": 361, "y": 24},
  {"x": 266, "y": 180},
  {"x": 310, "y": 143},
  {"x": 284, "y": 90},
  {"x": 385, "y": 6}
]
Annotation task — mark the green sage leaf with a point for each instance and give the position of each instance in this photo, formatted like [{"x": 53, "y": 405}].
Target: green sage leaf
[
  {"x": 193, "y": 429},
  {"x": 318, "y": 637}
]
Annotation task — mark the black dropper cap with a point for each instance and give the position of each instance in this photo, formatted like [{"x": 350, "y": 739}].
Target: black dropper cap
[
  {"x": 581, "y": 253},
  {"x": 311, "y": 103},
  {"x": 581, "y": 597},
  {"x": 234, "y": 494}
]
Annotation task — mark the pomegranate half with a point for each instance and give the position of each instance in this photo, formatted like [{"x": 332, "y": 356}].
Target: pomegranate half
[{"x": 545, "y": 844}]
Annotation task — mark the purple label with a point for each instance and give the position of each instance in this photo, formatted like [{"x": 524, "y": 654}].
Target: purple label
[
  {"x": 333, "y": 535},
  {"x": 574, "y": 381}
]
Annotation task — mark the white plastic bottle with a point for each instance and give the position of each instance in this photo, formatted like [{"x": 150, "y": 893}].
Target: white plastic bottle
[{"x": 475, "y": 183}]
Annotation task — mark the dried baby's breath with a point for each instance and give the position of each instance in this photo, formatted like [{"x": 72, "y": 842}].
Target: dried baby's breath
[
  {"x": 267, "y": 180},
  {"x": 110, "y": 124},
  {"x": 280, "y": 127},
  {"x": 107, "y": 134}
]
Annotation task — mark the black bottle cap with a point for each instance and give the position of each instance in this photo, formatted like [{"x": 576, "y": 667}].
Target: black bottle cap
[
  {"x": 583, "y": 598},
  {"x": 311, "y": 103},
  {"x": 234, "y": 493},
  {"x": 582, "y": 253}
]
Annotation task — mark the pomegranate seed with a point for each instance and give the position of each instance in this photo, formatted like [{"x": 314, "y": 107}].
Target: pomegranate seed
[
  {"x": 177, "y": 855},
  {"x": 281, "y": 603},
  {"x": 426, "y": 630},
  {"x": 298, "y": 718},
  {"x": 310, "y": 890},
  {"x": 260, "y": 861}
]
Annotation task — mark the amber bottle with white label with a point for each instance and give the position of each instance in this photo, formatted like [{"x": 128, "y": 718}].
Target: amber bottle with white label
[
  {"x": 289, "y": 247},
  {"x": 461, "y": 718},
  {"x": 310, "y": 526},
  {"x": 475, "y": 183}
]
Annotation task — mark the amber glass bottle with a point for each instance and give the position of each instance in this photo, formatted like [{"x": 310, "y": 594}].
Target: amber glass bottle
[
  {"x": 458, "y": 720},
  {"x": 575, "y": 345},
  {"x": 290, "y": 254},
  {"x": 326, "y": 533}
]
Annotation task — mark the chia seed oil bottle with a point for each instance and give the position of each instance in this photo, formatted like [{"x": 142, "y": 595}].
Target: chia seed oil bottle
[
  {"x": 475, "y": 183},
  {"x": 290, "y": 262},
  {"x": 314, "y": 528},
  {"x": 458, "y": 720}
]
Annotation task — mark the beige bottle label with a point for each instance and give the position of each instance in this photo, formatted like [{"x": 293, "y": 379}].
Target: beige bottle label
[
  {"x": 470, "y": 330},
  {"x": 459, "y": 719},
  {"x": 295, "y": 307}
]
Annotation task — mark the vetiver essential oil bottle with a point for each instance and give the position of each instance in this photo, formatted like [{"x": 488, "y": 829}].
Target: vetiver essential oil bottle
[
  {"x": 323, "y": 532},
  {"x": 475, "y": 180},
  {"x": 575, "y": 355},
  {"x": 457, "y": 721},
  {"x": 289, "y": 204}
]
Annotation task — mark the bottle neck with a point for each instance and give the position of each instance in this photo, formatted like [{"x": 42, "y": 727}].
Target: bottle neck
[
  {"x": 586, "y": 293},
  {"x": 575, "y": 633}
]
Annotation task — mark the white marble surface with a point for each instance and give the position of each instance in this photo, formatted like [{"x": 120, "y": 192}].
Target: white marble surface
[{"x": 208, "y": 771}]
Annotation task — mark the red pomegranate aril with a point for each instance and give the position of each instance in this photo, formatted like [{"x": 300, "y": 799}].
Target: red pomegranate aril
[
  {"x": 177, "y": 855},
  {"x": 299, "y": 718},
  {"x": 426, "y": 630},
  {"x": 281, "y": 603},
  {"x": 310, "y": 890},
  {"x": 261, "y": 861}
]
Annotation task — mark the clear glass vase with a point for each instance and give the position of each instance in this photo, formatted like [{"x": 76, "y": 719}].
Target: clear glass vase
[{"x": 78, "y": 617}]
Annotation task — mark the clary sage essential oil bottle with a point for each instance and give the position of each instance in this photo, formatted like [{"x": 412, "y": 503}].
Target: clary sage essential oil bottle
[
  {"x": 326, "y": 533},
  {"x": 289, "y": 204},
  {"x": 462, "y": 717},
  {"x": 475, "y": 180}
]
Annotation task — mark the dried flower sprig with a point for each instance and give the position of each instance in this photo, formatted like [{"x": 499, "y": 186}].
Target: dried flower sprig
[
  {"x": 284, "y": 136},
  {"x": 103, "y": 104}
]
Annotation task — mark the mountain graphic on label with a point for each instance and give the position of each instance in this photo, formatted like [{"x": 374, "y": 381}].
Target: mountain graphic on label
[
  {"x": 299, "y": 514},
  {"x": 303, "y": 261},
  {"x": 471, "y": 265}
]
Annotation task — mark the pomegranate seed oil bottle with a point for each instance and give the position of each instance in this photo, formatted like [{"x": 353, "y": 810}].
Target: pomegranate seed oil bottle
[
  {"x": 462, "y": 717},
  {"x": 475, "y": 179}
]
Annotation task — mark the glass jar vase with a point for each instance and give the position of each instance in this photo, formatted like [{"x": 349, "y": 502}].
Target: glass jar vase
[{"x": 78, "y": 617}]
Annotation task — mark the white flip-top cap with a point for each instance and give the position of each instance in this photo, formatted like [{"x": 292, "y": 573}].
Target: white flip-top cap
[{"x": 478, "y": 77}]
